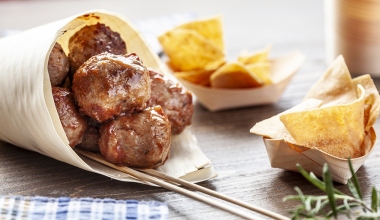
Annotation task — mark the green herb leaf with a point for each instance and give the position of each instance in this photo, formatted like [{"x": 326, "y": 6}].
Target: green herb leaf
[
  {"x": 314, "y": 180},
  {"x": 374, "y": 200},
  {"x": 311, "y": 177},
  {"x": 329, "y": 189},
  {"x": 354, "y": 207},
  {"x": 353, "y": 189},
  {"x": 355, "y": 180}
]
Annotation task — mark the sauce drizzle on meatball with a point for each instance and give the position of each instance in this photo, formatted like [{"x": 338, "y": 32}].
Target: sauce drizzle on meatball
[{"x": 109, "y": 85}]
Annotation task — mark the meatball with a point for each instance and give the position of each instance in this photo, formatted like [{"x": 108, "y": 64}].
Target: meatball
[
  {"x": 109, "y": 85},
  {"x": 92, "y": 40},
  {"x": 74, "y": 124},
  {"x": 140, "y": 140},
  {"x": 90, "y": 139},
  {"x": 175, "y": 100},
  {"x": 58, "y": 65}
]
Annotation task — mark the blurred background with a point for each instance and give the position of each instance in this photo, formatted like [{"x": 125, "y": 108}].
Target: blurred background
[
  {"x": 249, "y": 24},
  {"x": 331, "y": 27}
]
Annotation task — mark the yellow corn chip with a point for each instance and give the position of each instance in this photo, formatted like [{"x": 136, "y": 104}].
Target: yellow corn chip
[
  {"x": 273, "y": 128},
  {"x": 256, "y": 56},
  {"x": 339, "y": 126},
  {"x": 261, "y": 70},
  {"x": 210, "y": 28},
  {"x": 234, "y": 75},
  {"x": 337, "y": 130},
  {"x": 200, "y": 77},
  {"x": 335, "y": 86},
  {"x": 189, "y": 50},
  {"x": 372, "y": 100}
]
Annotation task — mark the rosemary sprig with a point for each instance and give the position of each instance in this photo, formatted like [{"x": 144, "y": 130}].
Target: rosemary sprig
[{"x": 334, "y": 202}]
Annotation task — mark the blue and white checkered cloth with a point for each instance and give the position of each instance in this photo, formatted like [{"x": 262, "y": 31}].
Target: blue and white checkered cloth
[{"x": 37, "y": 208}]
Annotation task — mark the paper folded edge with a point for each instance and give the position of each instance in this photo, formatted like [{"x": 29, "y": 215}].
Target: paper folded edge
[{"x": 282, "y": 155}]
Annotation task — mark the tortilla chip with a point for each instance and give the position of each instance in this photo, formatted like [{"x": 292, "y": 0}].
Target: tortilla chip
[
  {"x": 335, "y": 86},
  {"x": 188, "y": 50},
  {"x": 261, "y": 70},
  {"x": 372, "y": 100},
  {"x": 210, "y": 28},
  {"x": 256, "y": 56},
  {"x": 196, "y": 51},
  {"x": 337, "y": 130},
  {"x": 200, "y": 77},
  {"x": 234, "y": 75},
  {"x": 275, "y": 129}
]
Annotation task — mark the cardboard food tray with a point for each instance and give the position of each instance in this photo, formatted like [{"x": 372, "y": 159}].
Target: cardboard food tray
[{"x": 286, "y": 156}]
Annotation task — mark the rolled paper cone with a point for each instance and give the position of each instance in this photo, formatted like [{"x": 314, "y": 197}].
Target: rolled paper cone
[
  {"x": 282, "y": 71},
  {"x": 28, "y": 117},
  {"x": 285, "y": 156}
]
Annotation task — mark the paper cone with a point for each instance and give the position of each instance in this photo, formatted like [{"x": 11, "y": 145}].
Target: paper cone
[
  {"x": 28, "y": 117},
  {"x": 282, "y": 71},
  {"x": 285, "y": 156}
]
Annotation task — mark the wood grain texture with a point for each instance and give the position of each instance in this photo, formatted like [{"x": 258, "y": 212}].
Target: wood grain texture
[{"x": 239, "y": 157}]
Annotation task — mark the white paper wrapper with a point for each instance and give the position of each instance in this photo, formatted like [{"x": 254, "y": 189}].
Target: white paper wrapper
[
  {"x": 282, "y": 71},
  {"x": 28, "y": 117},
  {"x": 284, "y": 156}
]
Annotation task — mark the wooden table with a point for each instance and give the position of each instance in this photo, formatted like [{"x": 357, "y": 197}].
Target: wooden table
[{"x": 239, "y": 157}]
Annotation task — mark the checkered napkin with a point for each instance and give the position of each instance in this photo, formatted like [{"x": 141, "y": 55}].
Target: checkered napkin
[{"x": 18, "y": 207}]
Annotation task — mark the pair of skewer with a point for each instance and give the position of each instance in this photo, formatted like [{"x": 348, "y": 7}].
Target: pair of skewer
[{"x": 171, "y": 183}]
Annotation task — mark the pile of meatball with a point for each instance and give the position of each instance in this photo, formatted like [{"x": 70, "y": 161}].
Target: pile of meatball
[{"x": 109, "y": 102}]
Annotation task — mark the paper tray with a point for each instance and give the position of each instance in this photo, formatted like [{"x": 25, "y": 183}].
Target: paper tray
[
  {"x": 285, "y": 156},
  {"x": 282, "y": 71}
]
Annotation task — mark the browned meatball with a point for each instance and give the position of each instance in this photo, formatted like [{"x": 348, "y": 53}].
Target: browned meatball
[
  {"x": 109, "y": 85},
  {"x": 73, "y": 123},
  {"x": 90, "y": 139},
  {"x": 139, "y": 140},
  {"x": 92, "y": 40},
  {"x": 58, "y": 65},
  {"x": 175, "y": 100}
]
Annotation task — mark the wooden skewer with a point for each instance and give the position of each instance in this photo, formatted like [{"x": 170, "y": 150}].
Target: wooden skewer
[
  {"x": 145, "y": 177},
  {"x": 215, "y": 194}
]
